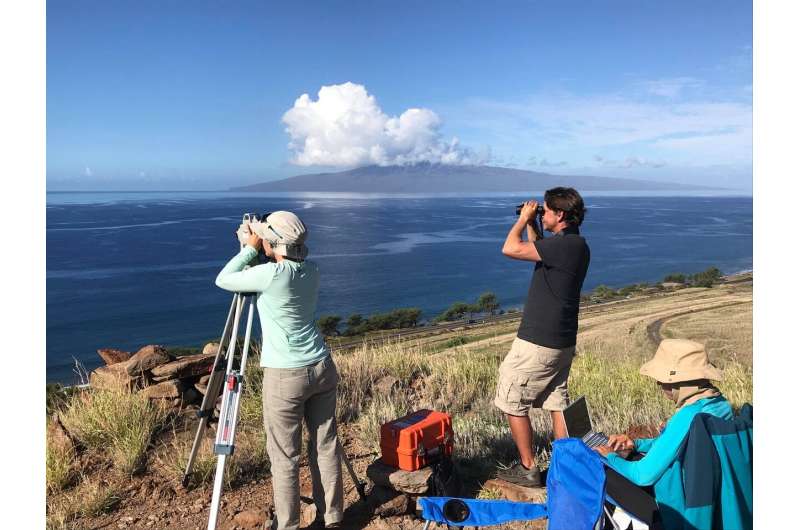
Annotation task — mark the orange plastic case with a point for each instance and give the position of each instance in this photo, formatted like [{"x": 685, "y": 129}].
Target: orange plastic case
[{"x": 417, "y": 439}]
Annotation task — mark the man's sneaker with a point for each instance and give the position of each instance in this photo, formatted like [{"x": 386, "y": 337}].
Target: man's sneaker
[{"x": 522, "y": 476}]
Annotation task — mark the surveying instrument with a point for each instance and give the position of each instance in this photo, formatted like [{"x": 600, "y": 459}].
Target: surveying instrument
[{"x": 227, "y": 379}]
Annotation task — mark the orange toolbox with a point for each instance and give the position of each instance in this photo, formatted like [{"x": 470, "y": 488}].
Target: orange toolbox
[{"x": 417, "y": 439}]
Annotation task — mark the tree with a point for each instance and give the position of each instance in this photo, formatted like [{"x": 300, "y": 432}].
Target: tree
[
  {"x": 329, "y": 324},
  {"x": 603, "y": 292},
  {"x": 675, "y": 278},
  {"x": 488, "y": 303},
  {"x": 707, "y": 278},
  {"x": 406, "y": 317},
  {"x": 355, "y": 324},
  {"x": 455, "y": 311}
]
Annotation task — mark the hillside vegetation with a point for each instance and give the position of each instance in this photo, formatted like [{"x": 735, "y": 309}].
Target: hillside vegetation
[{"x": 120, "y": 459}]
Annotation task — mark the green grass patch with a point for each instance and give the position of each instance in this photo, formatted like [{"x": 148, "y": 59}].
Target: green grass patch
[{"x": 117, "y": 423}]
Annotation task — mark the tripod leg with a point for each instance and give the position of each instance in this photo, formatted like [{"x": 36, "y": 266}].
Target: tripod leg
[
  {"x": 226, "y": 428},
  {"x": 212, "y": 392},
  {"x": 360, "y": 488},
  {"x": 218, "y": 476}
]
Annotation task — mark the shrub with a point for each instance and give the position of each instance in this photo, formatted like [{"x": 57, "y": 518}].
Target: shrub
[
  {"x": 406, "y": 317},
  {"x": 329, "y": 324},
  {"x": 675, "y": 278},
  {"x": 456, "y": 341},
  {"x": 603, "y": 292}
]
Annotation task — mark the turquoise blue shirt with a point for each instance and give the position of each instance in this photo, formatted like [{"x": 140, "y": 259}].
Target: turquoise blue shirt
[
  {"x": 286, "y": 301},
  {"x": 660, "y": 466}
]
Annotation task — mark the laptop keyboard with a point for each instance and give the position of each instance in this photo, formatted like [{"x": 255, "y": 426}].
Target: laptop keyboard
[{"x": 595, "y": 439}]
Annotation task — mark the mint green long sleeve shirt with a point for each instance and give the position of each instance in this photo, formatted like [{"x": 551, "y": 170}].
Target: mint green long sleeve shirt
[{"x": 287, "y": 295}]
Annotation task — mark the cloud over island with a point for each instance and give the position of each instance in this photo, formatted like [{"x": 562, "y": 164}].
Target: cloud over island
[{"x": 345, "y": 127}]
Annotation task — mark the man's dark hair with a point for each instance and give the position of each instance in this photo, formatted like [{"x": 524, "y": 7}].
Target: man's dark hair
[{"x": 566, "y": 200}]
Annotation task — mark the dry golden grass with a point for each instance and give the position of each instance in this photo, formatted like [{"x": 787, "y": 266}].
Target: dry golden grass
[
  {"x": 60, "y": 460},
  {"x": 89, "y": 498},
  {"x": 249, "y": 461},
  {"x": 612, "y": 344}
]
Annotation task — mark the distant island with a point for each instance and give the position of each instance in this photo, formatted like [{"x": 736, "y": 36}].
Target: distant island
[{"x": 440, "y": 178}]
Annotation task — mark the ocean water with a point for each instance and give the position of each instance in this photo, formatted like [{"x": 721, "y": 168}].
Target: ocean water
[{"x": 125, "y": 270}]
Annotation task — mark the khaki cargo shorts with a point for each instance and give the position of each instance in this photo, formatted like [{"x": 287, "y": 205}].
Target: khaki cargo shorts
[{"x": 532, "y": 376}]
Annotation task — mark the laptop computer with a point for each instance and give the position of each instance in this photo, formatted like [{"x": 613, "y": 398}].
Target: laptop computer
[{"x": 579, "y": 425}]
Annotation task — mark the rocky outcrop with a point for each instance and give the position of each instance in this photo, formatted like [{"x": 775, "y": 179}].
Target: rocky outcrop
[
  {"x": 115, "y": 377},
  {"x": 414, "y": 482},
  {"x": 156, "y": 374},
  {"x": 183, "y": 367},
  {"x": 111, "y": 356},
  {"x": 146, "y": 359}
]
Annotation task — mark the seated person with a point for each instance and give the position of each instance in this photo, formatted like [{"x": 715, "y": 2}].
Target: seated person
[{"x": 682, "y": 370}]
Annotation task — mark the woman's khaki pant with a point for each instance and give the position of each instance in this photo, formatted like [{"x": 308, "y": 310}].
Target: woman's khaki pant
[{"x": 291, "y": 395}]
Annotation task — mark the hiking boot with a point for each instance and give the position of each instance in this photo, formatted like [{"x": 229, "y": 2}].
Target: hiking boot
[{"x": 521, "y": 476}]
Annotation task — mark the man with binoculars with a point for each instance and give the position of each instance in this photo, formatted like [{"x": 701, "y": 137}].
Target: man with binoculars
[{"x": 535, "y": 371}]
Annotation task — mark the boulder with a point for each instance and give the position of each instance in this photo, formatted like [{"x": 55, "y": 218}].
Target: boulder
[
  {"x": 111, "y": 356},
  {"x": 146, "y": 359},
  {"x": 191, "y": 395},
  {"x": 250, "y": 518},
  {"x": 515, "y": 492},
  {"x": 59, "y": 436},
  {"x": 385, "y": 385},
  {"x": 386, "y": 502},
  {"x": 308, "y": 513},
  {"x": 115, "y": 377},
  {"x": 210, "y": 348},
  {"x": 414, "y": 482},
  {"x": 167, "y": 389},
  {"x": 183, "y": 367}
]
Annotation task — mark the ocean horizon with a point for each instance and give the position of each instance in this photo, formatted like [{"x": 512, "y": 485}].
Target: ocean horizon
[{"x": 126, "y": 269}]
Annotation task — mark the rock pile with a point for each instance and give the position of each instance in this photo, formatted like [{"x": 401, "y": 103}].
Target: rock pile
[
  {"x": 155, "y": 373},
  {"x": 395, "y": 491}
]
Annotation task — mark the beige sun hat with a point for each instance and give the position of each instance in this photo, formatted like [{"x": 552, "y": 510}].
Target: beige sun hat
[
  {"x": 678, "y": 360},
  {"x": 285, "y": 233}
]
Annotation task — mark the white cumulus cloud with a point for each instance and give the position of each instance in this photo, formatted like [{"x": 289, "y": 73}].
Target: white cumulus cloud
[{"x": 345, "y": 127}]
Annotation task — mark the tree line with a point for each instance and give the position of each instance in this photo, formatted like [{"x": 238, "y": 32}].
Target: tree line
[
  {"x": 487, "y": 303},
  {"x": 406, "y": 317},
  {"x": 706, "y": 278}
]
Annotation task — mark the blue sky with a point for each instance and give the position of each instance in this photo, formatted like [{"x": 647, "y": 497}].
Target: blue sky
[{"x": 207, "y": 95}]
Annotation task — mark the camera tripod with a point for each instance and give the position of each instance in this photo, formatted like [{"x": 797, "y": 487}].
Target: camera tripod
[{"x": 227, "y": 377}]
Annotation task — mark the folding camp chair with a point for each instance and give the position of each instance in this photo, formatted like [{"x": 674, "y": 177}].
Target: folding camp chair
[{"x": 575, "y": 496}]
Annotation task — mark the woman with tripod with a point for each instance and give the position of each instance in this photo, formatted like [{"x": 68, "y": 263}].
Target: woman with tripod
[{"x": 300, "y": 377}]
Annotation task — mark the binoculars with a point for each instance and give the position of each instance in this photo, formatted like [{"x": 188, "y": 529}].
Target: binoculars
[{"x": 539, "y": 209}]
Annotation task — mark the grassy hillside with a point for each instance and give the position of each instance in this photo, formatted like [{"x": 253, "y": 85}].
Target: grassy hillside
[{"x": 124, "y": 462}]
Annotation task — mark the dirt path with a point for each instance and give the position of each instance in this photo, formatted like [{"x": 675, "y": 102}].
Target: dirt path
[{"x": 654, "y": 328}]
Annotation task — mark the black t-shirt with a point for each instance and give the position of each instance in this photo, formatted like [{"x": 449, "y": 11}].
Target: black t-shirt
[{"x": 550, "y": 317}]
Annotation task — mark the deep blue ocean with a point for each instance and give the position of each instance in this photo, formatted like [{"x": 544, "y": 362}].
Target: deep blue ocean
[{"x": 129, "y": 269}]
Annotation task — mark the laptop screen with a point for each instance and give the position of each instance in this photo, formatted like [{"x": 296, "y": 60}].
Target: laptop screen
[{"x": 576, "y": 417}]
